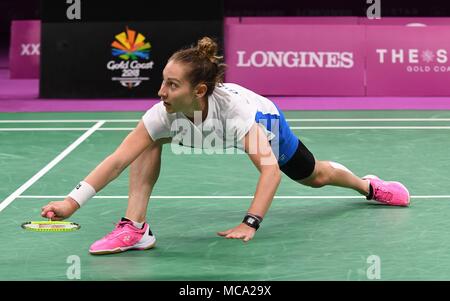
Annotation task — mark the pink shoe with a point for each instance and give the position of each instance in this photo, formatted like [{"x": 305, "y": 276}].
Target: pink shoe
[
  {"x": 124, "y": 237},
  {"x": 390, "y": 193}
]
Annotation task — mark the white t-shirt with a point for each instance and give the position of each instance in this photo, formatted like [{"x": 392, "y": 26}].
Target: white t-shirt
[{"x": 231, "y": 114}]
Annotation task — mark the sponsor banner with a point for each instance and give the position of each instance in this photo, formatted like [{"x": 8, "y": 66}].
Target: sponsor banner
[
  {"x": 24, "y": 52},
  {"x": 125, "y": 59},
  {"x": 113, "y": 60},
  {"x": 275, "y": 59},
  {"x": 408, "y": 61}
]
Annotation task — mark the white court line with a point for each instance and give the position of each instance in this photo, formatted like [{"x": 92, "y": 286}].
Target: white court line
[
  {"x": 370, "y": 127},
  {"x": 41, "y": 129},
  {"x": 288, "y": 119},
  {"x": 367, "y": 119},
  {"x": 49, "y": 166},
  {"x": 116, "y": 129},
  {"x": 67, "y": 120},
  {"x": 59, "y": 129},
  {"x": 292, "y": 127},
  {"x": 226, "y": 197}
]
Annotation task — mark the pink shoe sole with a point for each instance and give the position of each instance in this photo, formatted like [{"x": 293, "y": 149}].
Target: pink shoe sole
[{"x": 120, "y": 250}]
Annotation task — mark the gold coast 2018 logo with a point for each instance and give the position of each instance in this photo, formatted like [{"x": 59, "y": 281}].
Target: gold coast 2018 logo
[{"x": 133, "y": 53}]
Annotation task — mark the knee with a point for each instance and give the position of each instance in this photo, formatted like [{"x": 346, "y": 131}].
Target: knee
[
  {"x": 320, "y": 177},
  {"x": 317, "y": 182}
]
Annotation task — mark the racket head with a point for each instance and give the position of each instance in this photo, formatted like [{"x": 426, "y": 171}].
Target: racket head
[{"x": 50, "y": 226}]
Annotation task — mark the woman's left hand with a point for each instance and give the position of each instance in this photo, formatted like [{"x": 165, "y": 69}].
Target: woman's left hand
[{"x": 242, "y": 231}]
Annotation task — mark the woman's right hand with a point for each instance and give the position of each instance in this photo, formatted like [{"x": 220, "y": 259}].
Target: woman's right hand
[{"x": 60, "y": 210}]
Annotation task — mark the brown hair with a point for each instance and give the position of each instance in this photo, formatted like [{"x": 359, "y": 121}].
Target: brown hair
[{"x": 205, "y": 65}]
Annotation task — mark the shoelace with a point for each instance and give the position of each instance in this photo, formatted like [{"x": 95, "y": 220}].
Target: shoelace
[
  {"x": 383, "y": 194},
  {"x": 118, "y": 226}
]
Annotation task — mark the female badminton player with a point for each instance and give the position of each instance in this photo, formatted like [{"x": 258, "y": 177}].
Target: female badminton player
[{"x": 196, "y": 108}]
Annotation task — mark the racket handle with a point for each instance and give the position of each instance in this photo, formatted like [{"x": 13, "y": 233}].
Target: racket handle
[{"x": 50, "y": 214}]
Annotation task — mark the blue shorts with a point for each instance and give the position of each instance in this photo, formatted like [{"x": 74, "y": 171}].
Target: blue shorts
[
  {"x": 294, "y": 158},
  {"x": 285, "y": 143}
]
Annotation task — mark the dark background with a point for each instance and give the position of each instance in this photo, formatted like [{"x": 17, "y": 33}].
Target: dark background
[
  {"x": 85, "y": 49},
  {"x": 30, "y": 9},
  {"x": 74, "y": 53}
]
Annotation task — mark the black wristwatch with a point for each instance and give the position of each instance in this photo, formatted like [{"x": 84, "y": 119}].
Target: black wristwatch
[{"x": 252, "y": 220}]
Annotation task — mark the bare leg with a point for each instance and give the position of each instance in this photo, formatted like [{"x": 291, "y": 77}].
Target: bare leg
[
  {"x": 326, "y": 174},
  {"x": 144, "y": 173}
]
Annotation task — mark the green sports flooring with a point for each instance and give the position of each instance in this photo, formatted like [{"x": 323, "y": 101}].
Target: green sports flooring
[{"x": 308, "y": 234}]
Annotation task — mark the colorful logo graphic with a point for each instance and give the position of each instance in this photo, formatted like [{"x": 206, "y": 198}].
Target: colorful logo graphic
[
  {"x": 132, "y": 55},
  {"x": 129, "y": 45}
]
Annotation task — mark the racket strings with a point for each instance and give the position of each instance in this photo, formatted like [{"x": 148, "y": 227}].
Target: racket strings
[{"x": 50, "y": 226}]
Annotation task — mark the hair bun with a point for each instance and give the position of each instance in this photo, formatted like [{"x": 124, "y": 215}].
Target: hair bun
[{"x": 207, "y": 48}]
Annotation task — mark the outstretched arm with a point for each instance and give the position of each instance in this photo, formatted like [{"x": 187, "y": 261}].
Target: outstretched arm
[
  {"x": 109, "y": 169},
  {"x": 257, "y": 147}
]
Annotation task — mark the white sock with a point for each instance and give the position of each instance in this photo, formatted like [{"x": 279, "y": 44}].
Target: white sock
[{"x": 136, "y": 224}]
